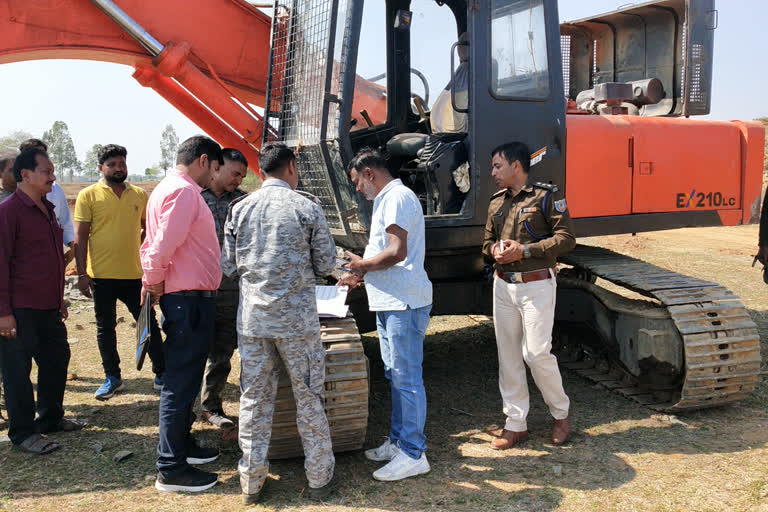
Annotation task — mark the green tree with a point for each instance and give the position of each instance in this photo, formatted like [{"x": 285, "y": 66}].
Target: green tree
[
  {"x": 169, "y": 144},
  {"x": 62, "y": 150},
  {"x": 151, "y": 171},
  {"x": 12, "y": 141},
  {"x": 91, "y": 163}
]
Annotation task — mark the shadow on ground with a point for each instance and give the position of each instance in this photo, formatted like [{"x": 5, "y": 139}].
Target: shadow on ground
[{"x": 464, "y": 411}]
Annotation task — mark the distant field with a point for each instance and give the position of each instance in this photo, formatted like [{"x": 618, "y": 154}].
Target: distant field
[
  {"x": 251, "y": 183},
  {"x": 72, "y": 189}
]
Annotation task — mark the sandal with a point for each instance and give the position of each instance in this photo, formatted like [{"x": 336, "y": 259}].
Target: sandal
[
  {"x": 66, "y": 425},
  {"x": 39, "y": 445}
]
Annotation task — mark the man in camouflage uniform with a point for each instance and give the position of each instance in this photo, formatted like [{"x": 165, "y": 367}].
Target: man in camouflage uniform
[
  {"x": 528, "y": 228},
  {"x": 219, "y": 195},
  {"x": 277, "y": 241}
]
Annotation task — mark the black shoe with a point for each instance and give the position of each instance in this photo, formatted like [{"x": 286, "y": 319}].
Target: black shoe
[
  {"x": 254, "y": 499},
  {"x": 323, "y": 492},
  {"x": 251, "y": 499},
  {"x": 189, "y": 480},
  {"x": 197, "y": 454}
]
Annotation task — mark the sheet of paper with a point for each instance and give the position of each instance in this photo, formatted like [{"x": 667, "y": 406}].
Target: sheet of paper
[{"x": 330, "y": 301}]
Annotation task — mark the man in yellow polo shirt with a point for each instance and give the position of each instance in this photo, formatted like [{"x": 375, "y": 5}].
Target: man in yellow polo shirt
[{"x": 109, "y": 224}]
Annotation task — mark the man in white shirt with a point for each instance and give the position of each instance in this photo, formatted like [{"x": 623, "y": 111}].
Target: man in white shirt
[{"x": 400, "y": 293}]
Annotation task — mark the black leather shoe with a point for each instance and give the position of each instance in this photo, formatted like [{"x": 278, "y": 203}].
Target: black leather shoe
[{"x": 320, "y": 493}]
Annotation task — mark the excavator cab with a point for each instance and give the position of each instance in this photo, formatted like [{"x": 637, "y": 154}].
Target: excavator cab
[{"x": 436, "y": 84}]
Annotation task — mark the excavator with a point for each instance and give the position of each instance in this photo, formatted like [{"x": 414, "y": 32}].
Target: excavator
[{"x": 608, "y": 104}]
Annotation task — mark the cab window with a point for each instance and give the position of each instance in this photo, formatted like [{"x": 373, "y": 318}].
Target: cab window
[
  {"x": 371, "y": 80},
  {"x": 519, "y": 66}
]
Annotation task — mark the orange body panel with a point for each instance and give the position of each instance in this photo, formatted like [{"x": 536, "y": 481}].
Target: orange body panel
[
  {"x": 598, "y": 177},
  {"x": 752, "y": 154},
  {"x": 620, "y": 165}
]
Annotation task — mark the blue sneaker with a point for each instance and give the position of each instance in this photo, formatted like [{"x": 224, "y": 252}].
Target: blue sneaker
[
  {"x": 111, "y": 386},
  {"x": 158, "y": 384}
]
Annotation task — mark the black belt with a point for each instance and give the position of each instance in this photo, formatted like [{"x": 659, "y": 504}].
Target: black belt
[{"x": 195, "y": 293}]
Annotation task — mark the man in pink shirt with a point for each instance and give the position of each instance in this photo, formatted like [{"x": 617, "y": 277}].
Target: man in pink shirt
[{"x": 180, "y": 258}]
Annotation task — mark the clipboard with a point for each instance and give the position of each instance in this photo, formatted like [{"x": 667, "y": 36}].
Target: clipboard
[{"x": 143, "y": 333}]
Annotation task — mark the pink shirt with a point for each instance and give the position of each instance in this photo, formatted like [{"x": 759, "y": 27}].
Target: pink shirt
[{"x": 180, "y": 247}]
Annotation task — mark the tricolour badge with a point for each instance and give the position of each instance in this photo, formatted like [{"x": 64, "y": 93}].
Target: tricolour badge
[{"x": 561, "y": 206}]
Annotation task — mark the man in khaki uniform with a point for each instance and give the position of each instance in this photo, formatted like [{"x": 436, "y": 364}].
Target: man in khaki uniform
[{"x": 528, "y": 228}]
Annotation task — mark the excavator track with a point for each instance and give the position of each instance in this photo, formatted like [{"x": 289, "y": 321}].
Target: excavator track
[
  {"x": 346, "y": 394},
  {"x": 721, "y": 344}
]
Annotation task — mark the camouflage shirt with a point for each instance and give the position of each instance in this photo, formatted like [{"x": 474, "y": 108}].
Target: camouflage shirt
[
  {"x": 538, "y": 217},
  {"x": 277, "y": 241},
  {"x": 219, "y": 207}
]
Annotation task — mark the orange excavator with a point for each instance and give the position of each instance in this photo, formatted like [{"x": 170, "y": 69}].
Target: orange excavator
[{"x": 608, "y": 103}]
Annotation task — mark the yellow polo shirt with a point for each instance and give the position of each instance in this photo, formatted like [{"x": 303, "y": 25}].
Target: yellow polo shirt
[{"x": 113, "y": 246}]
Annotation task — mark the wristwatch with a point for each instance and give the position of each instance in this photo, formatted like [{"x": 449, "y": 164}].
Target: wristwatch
[{"x": 526, "y": 251}]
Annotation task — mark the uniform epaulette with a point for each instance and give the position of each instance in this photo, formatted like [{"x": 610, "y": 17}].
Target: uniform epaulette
[
  {"x": 309, "y": 196},
  {"x": 499, "y": 193},
  {"x": 546, "y": 186},
  {"x": 237, "y": 200}
]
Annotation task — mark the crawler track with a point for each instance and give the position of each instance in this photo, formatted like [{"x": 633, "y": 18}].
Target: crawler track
[
  {"x": 346, "y": 394},
  {"x": 721, "y": 344}
]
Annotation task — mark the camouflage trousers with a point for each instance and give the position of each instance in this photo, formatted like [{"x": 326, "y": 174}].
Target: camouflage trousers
[{"x": 304, "y": 361}]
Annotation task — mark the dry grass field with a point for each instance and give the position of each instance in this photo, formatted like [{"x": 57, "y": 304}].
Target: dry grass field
[
  {"x": 72, "y": 189},
  {"x": 622, "y": 456}
]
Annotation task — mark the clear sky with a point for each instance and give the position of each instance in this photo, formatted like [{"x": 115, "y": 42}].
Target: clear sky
[{"x": 102, "y": 103}]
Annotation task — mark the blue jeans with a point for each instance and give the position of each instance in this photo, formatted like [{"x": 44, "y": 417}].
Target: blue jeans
[
  {"x": 188, "y": 324},
  {"x": 401, "y": 338}
]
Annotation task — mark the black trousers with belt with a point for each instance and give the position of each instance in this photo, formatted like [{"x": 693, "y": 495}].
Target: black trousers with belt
[{"x": 42, "y": 336}]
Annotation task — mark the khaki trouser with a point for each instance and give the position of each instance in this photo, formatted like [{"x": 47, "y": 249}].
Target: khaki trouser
[
  {"x": 523, "y": 316},
  {"x": 304, "y": 361}
]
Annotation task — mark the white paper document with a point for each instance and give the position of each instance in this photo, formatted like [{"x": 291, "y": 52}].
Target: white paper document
[{"x": 330, "y": 301}]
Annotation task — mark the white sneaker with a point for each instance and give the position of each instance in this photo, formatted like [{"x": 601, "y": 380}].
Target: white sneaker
[
  {"x": 402, "y": 466},
  {"x": 384, "y": 453}
]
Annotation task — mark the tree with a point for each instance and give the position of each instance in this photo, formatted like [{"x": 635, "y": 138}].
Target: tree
[
  {"x": 62, "y": 150},
  {"x": 151, "y": 171},
  {"x": 169, "y": 144},
  {"x": 12, "y": 141},
  {"x": 91, "y": 164}
]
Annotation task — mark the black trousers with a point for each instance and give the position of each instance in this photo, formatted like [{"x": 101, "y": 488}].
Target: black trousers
[
  {"x": 106, "y": 293},
  {"x": 42, "y": 336},
  {"x": 188, "y": 325}
]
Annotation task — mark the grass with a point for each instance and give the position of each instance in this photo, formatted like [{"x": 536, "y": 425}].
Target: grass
[{"x": 621, "y": 457}]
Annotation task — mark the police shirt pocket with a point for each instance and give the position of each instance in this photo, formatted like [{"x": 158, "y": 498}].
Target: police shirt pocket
[
  {"x": 534, "y": 224},
  {"x": 497, "y": 220}
]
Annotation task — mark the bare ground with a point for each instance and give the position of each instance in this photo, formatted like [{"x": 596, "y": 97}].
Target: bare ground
[{"x": 622, "y": 455}]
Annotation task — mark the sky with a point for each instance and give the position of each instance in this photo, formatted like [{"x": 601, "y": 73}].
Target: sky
[{"x": 102, "y": 103}]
